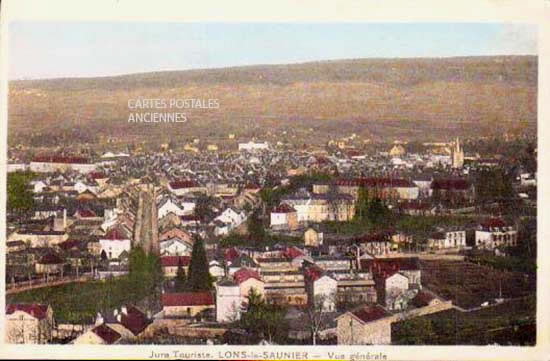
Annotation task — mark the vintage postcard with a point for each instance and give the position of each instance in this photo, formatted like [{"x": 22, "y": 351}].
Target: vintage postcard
[{"x": 342, "y": 182}]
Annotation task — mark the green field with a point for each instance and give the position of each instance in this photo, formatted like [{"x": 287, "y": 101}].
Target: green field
[
  {"x": 511, "y": 323},
  {"x": 468, "y": 285},
  {"x": 419, "y": 226},
  {"x": 80, "y": 302}
]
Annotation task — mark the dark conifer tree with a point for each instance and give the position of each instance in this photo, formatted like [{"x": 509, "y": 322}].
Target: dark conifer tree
[{"x": 199, "y": 277}]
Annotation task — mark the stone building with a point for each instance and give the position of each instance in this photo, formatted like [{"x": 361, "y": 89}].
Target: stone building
[
  {"x": 28, "y": 323},
  {"x": 366, "y": 325}
]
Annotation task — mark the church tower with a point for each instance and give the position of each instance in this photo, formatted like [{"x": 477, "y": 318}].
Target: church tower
[{"x": 457, "y": 155}]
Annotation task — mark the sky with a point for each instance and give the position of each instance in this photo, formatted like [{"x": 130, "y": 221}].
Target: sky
[{"x": 75, "y": 49}]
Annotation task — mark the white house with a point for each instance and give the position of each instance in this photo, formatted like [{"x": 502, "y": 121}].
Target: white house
[
  {"x": 228, "y": 220},
  {"x": 394, "y": 287},
  {"x": 248, "y": 280},
  {"x": 496, "y": 233},
  {"x": 38, "y": 186},
  {"x": 80, "y": 187},
  {"x": 175, "y": 247},
  {"x": 169, "y": 206},
  {"x": 232, "y": 216},
  {"x": 284, "y": 217},
  {"x": 221, "y": 228},
  {"x": 447, "y": 239},
  {"x": 215, "y": 269},
  {"x": 187, "y": 206},
  {"x": 228, "y": 301},
  {"x": 182, "y": 187},
  {"x": 324, "y": 290},
  {"x": 114, "y": 243}
]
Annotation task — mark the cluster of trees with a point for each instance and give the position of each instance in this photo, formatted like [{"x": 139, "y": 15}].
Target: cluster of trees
[
  {"x": 199, "y": 278},
  {"x": 255, "y": 226},
  {"x": 263, "y": 321},
  {"x": 272, "y": 197},
  {"x": 144, "y": 276},
  {"x": 493, "y": 184},
  {"x": 372, "y": 210},
  {"x": 20, "y": 198}
]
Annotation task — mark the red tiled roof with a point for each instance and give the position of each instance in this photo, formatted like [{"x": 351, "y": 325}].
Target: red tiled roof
[
  {"x": 252, "y": 186},
  {"x": 176, "y": 233},
  {"x": 187, "y": 299},
  {"x": 450, "y": 184},
  {"x": 244, "y": 274},
  {"x": 115, "y": 234},
  {"x": 370, "y": 313},
  {"x": 86, "y": 213},
  {"x": 68, "y": 244},
  {"x": 313, "y": 273},
  {"x": 175, "y": 261},
  {"x": 422, "y": 299},
  {"x": 293, "y": 252},
  {"x": 494, "y": 223},
  {"x": 179, "y": 184},
  {"x": 376, "y": 182},
  {"x": 390, "y": 265},
  {"x": 106, "y": 333},
  {"x": 381, "y": 236},
  {"x": 230, "y": 254},
  {"x": 50, "y": 258},
  {"x": 190, "y": 217},
  {"x": 97, "y": 175},
  {"x": 134, "y": 320},
  {"x": 60, "y": 159},
  {"x": 35, "y": 310},
  {"x": 353, "y": 152},
  {"x": 283, "y": 208}
]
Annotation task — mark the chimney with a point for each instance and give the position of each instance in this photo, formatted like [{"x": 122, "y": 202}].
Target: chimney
[
  {"x": 119, "y": 318},
  {"x": 124, "y": 310}
]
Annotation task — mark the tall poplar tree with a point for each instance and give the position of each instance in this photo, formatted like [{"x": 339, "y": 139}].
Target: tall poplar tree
[{"x": 198, "y": 278}]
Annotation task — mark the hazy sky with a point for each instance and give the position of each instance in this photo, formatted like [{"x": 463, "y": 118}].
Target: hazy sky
[{"x": 48, "y": 50}]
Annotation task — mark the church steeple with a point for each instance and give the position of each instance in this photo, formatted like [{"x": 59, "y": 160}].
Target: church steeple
[{"x": 457, "y": 155}]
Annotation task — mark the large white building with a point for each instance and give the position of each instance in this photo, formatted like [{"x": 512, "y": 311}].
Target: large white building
[
  {"x": 48, "y": 164},
  {"x": 114, "y": 243},
  {"x": 495, "y": 233},
  {"x": 28, "y": 323},
  {"x": 252, "y": 146},
  {"x": 447, "y": 239},
  {"x": 228, "y": 301},
  {"x": 322, "y": 289}
]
